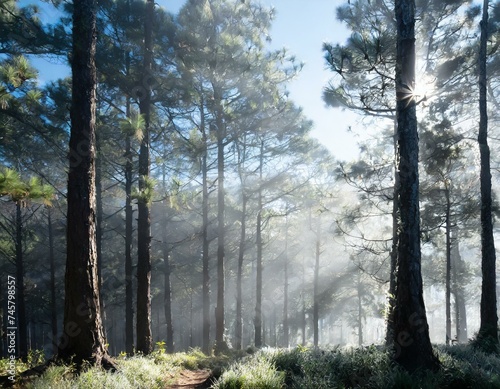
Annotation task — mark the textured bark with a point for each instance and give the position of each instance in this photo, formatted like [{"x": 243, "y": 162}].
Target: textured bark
[
  {"x": 168, "y": 299},
  {"x": 411, "y": 344},
  {"x": 20, "y": 296},
  {"x": 487, "y": 336},
  {"x": 144, "y": 334},
  {"x": 83, "y": 337}
]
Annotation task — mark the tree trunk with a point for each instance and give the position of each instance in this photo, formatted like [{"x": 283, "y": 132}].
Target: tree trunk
[
  {"x": 168, "y": 290},
  {"x": 394, "y": 248},
  {"x": 316, "y": 284},
  {"x": 20, "y": 298},
  {"x": 53, "y": 302},
  {"x": 286, "y": 330},
  {"x": 459, "y": 293},
  {"x": 258, "y": 286},
  {"x": 144, "y": 335},
  {"x": 239, "y": 275},
  {"x": 360, "y": 311},
  {"x": 129, "y": 291},
  {"x": 83, "y": 337},
  {"x": 448, "y": 265},
  {"x": 487, "y": 337},
  {"x": 98, "y": 230},
  {"x": 205, "y": 241},
  {"x": 220, "y": 344},
  {"x": 411, "y": 342}
]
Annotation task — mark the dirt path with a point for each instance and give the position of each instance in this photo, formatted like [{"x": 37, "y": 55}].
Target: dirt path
[{"x": 192, "y": 379}]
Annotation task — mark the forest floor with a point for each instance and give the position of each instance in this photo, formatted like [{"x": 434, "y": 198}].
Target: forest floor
[{"x": 461, "y": 366}]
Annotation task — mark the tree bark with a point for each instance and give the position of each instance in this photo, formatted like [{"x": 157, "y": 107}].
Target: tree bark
[
  {"x": 411, "y": 343},
  {"x": 20, "y": 297},
  {"x": 83, "y": 337},
  {"x": 487, "y": 337},
  {"x": 143, "y": 328}
]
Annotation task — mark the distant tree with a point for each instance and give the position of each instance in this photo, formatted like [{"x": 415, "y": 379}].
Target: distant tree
[
  {"x": 411, "y": 343},
  {"x": 20, "y": 193},
  {"x": 83, "y": 337}
]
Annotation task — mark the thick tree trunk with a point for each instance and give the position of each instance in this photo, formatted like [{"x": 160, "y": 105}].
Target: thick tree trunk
[
  {"x": 487, "y": 337},
  {"x": 83, "y": 337},
  {"x": 394, "y": 248},
  {"x": 411, "y": 342},
  {"x": 144, "y": 335},
  {"x": 20, "y": 297},
  {"x": 99, "y": 219}
]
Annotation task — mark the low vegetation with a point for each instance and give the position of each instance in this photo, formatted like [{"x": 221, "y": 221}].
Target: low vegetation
[{"x": 297, "y": 368}]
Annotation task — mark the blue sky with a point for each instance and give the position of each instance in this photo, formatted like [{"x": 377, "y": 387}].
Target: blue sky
[{"x": 301, "y": 26}]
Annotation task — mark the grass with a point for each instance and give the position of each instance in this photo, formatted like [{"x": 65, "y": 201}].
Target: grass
[{"x": 297, "y": 368}]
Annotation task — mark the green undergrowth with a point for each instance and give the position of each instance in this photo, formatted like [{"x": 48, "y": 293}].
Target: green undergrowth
[
  {"x": 297, "y": 368},
  {"x": 365, "y": 367},
  {"x": 154, "y": 371}
]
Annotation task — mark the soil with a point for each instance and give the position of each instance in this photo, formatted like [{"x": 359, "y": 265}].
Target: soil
[{"x": 193, "y": 379}]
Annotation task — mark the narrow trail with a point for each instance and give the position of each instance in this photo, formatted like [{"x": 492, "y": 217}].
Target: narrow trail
[{"x": 192, "y": 379}]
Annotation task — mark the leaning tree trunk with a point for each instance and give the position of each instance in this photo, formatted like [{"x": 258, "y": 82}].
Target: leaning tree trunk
[
  {"x": 411, "y": 342},
  {"x": 144, "y": 335},
  {"x": 487, "y": 337},
  {"x": 83, "y": 337}
]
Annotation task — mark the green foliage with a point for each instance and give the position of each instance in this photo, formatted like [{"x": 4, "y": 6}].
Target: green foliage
[
  {"x": 13, "y": 186},
  {"x": 256, "y": 372}
]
